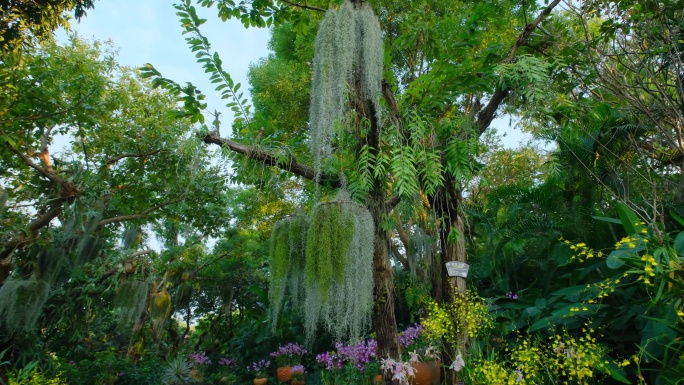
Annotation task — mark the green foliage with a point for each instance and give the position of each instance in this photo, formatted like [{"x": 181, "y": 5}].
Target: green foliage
[
  {"x": 31, "y": 375},
  {"x": 212, "y": 63},
  {"x": 21, "y": 304},
  {"x": 339, "y": 276},
  {"x": 20, "y": 21},
  {"x": 177, "y": 371},
  {"x": 529, "y": 76}
]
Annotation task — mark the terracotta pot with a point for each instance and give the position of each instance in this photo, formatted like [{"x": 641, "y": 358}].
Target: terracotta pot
[
  {"x": 284, "y": 373},
  {"x": 427, "y": 373},
  {"x": 297, "y": 382},
  {"x": 260, "y": 381},
  {"x": 194, "y": 373}
]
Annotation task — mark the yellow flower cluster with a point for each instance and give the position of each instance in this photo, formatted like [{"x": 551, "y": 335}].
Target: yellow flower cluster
[
  {"x": 491, "y": 373},
  {"x": 628, "y": 242},
  {"x": 526, "y": 358},
  {"x": 575, "y": 360},
  {"x": 562, "y": 359},
  {"x": 467, "y": 314},
  {"x": 580, "y": 251}
]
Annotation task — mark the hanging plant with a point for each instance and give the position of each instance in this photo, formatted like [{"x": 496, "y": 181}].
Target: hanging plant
[
  {"x": 287, "y": 256},
  {"x": 348, "y": 52},
  {"x": 21, "y": 303},
  {"x": 339, "y": 274},
  {"x": 160, "y": 309},
  {"x": 130, "y": 301}
]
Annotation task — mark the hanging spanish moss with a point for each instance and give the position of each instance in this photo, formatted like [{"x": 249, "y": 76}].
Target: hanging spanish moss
[
  {"x": 160, "y": 310},
  {"x": 339, "y": 274},
  {"x": 348, "y": 51},
  {"x": 420, "y": 254},
  {"x": 183, "y": 295},
  {"x": 287, "y": 259},
  {"x": 369, "y": 62},
  {"x": 130, "y": 301},
  {"x": 50, "y": 262},
  {"x": 21, "y": 303}
]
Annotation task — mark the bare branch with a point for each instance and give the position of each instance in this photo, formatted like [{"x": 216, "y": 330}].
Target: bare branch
[{"x": 117, "y": 158}]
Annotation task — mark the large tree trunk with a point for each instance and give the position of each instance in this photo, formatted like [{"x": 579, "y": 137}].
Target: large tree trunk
[
  {"x": 453, "y": 249},
  {"x": 384, "y": 320}
]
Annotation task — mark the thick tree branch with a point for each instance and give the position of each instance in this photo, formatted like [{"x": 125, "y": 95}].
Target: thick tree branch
[
  {"x": 50, "y": 175},
  {"x": 132, "y": 217},
  {"x": 403, "y": 235},
  {"x": 303, "y": 6},
  {"x": 287, "y": 163},
  {"x": 140, "y": 253},
  {"x": 486, "y": 115},
  {"x": 37, "y": 117},
  {"x": 117, "y": 158},
  {"x": 400, "y": 257},
  {"x": 45, "y": 151}
]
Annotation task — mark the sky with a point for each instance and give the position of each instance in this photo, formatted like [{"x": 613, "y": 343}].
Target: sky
[{"x": 148, "y": 31}]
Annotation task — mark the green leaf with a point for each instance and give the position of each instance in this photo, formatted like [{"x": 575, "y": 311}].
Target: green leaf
[
  {"x": 679, "y": 243},
  {"x": 615, "y": 259},
  {"x": 543, "y": 323},
  {"x": 532, "y": 311},
  {"x": 630, "y": 221},
  {"x": 607, "y": 219},
  {"x": 677, "y": 217},
  {"x": 617, "y": 373}
]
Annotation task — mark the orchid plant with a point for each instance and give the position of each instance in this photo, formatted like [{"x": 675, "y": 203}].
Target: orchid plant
[
  {"x": 289, "y": 355},
  {"x": 399, "y": 370},
  {"x": 260, "y": 368},
  {"x": 352, "y": 363},
  {"x": 415, "y": 345}
]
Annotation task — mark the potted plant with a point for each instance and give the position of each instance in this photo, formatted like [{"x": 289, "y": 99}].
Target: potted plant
[
  {"x": 260, "y": 368},
  {"x": 422, "y": 355},
  {"x": 286, "y": 357},
  {"x": 297, "y": 372},
  {"x": 198, "y": 359}
]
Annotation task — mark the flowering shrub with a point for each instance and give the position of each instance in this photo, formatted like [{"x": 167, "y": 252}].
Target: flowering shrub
[
  {"x": 199, "y": 358},
  {"x": 466, "y": 314},
  {"x": 350, "y": 364},
  {"x": 227, "y": 373},
  {"x": 409, "y": 336},
  {"x": 289, "y": 355},
  {"x": 416, "y": 345},
  {"x": 400, "y": 371},
  {"x": 562, "y": 359},
  {"x": 259, "y": 368},
  {"x": 227, "y": 362}
]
